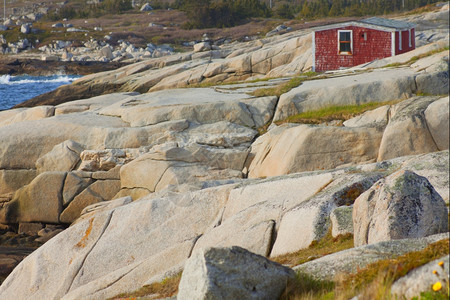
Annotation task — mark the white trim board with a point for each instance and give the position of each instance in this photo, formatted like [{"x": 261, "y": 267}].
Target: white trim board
[
  {"x": 356, "y": 24},
  {"x": 313, "y": 51}
]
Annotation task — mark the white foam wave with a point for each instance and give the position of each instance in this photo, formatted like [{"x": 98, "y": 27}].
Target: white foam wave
[
  {"x": 12, "y": 80},
  {"x": 4, "y": 79}
]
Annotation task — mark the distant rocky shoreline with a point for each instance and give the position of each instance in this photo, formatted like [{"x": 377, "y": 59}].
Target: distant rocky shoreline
[{"x": 19, "y": 65}]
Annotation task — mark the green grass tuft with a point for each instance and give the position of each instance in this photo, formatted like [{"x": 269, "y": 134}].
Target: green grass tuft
[
  {"x": 341, "y": 112},
  {"x": 441, "y": 295},
  {"x": 285, "y": 87},
  {"x": 306, "y": 287},
  {"x": 327, "y": 245},
  {"x": 374, "y": 281},
  {"x": 164, "y": 289}
]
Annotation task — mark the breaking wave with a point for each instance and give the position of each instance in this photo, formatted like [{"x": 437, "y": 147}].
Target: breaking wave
[{"x": 8, "y": 79}]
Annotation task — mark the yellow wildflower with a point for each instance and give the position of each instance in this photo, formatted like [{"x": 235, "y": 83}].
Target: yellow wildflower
[
  {"x": 435, "y": 272},
  {"x": 441, "y": 264},
  {"x": 437, "y": 286}
]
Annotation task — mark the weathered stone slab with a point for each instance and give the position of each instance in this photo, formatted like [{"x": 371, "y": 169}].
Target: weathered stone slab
[
  {"x": 349, "y": 261},
  {"x": 291, "y": 149},
  {"x": 34, "y": 113},
  {"x": 143, "y": 173},
  {"x": 288, "y": 192}
]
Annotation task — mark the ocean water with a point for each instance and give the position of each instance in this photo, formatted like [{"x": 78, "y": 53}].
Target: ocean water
[{"x": 16, "y": 89}]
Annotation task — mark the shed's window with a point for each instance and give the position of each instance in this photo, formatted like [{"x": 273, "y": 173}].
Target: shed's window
[{"x": 345, "y": 42}]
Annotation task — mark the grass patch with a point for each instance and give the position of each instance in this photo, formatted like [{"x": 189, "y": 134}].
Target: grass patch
[
  {"x": 212, "y": 83},
  {"x": 164, "y": 289},
  {"x": 371, "y": 282},
  {"x": 317, "y": 249},
  {"x": 306, "y": 287},
  {"x": 285, "y": 87},
  {"x": 374, "y": 281},
  {"x": 341, "y": 112},
  {"x": 432, "y": 296},
  {"x": 429, "y": 53}
]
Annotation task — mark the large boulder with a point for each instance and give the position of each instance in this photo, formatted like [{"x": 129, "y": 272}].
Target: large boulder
[
  {"x": 202, "y": 46},
  {"x": 252, "y": 212},
  {"x": 437, "y": 118},
  {"x": 39, "y": 201},
  {"x": 290, "y": 149},
  {"x": 402, "y": 205},
  {"x": 143, "y": 172},
  {"x": 73, "y": 185},
  {"x": 232, "y": 273},
  {"x": 407, "y": 132}
]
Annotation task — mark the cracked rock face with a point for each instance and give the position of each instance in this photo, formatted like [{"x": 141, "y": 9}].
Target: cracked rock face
[
  {"x": 406, "y": 128},
  {"x": 124, "y": 144},
  {"x": 82, "y": 264},
  {"x": 154, "y": 236}
]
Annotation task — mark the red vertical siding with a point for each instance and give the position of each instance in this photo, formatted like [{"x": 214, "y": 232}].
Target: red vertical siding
[
  {"x": 405, "y": 41},
  {"x": 378, "y": 45}
]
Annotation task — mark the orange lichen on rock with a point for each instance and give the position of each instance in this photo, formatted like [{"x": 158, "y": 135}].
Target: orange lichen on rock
[{"x": 82, "y": 242}]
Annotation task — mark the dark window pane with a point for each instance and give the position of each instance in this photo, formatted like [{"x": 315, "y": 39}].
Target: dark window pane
[
  {"x": 344, "y": 47},
  {"x": 344, "y": 36}
]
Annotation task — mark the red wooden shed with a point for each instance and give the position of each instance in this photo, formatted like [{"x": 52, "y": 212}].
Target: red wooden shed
[{"x": 353, "y": 43}]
